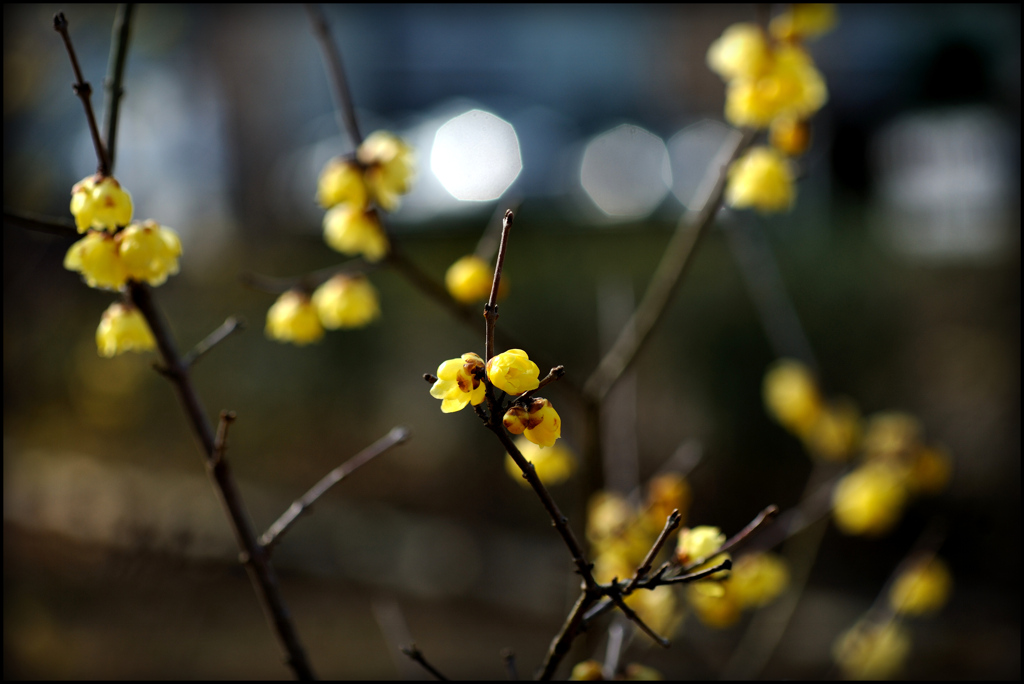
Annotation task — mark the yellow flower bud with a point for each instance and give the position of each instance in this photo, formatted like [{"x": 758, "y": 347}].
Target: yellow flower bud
[
  {"x": 149, "y": 251},
  {"x": 869, "y": 651},
  {"x": 869, "y": 500},
  {"x": 891, "y": 437},
  {"x": 791, "y": 395},
  {"x": 346, "y": 301},
  {"x": 293, "y": 318},
  {"x": 635, "y": 672},
  {"x": 122, "y": 329},
  {"x": 99, "y": 202},
  {"x": 350, "y": 229},
  {"x": 554, "y": 464},
  {"x": 792, "y": 87},
  {"x": 341, "y": 182},
  {"x": 757, "y": 579},
  {"x": 513, "y": 372},
  {"x": 587, "y": 671},
  {"x": 545, "y": 421},
  {"x": 930, "y": 470},
  {"x": 715, "y": 609},
  {"x": 666, "y": 493},
  {"x": 608, "y": 515},
  {"x": 789, "y": 135},
  {"x": 761, "y": 179},
  {"x": 834, "y": 435},
  {"x": 922, "y": 588},
  {"x": 698, "y": 543},
  {"x": 742, "y": 50},
  {"x": 460, "y": 383},
  {"x": 469, "y": 279},
  {"x": 389, "y": 165},
  {"x": 804, "y": 20},
  {"x": 96, "y": 257}
]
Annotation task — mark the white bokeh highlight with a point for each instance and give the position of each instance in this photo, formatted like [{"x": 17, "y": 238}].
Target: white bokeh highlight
[
  {"x": 626, "y": 172},
  {"x": 476, "y": 156},
  {"x": 692, "y": 151}
]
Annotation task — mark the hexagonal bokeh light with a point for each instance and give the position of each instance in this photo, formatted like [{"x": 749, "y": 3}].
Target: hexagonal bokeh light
[
  {"x": 692, "y": 150},
  {"x": 476, "y": 156},
  {"x": 626, "y": 172}
]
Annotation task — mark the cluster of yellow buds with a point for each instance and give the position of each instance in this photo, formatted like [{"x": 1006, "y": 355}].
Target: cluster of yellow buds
[
  {"x": 115, "y": 251},
  {"x": 344, "y": 301},
  {"x": 469, "y": 280},
  {"x": 756, "y": 579},
  {"x": 772, "y": 83},
  {"x": 378, "y": 174}
]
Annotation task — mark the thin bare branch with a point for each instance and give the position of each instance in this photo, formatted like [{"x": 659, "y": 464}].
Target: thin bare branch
[
  {"x": 344, "y": 109},
  {"x": 562, "y": 642},
  {"x": 220, "y": 442},
  {"x": 615, "y": 595},
  {"x": 229, "y": 326},
  {"x": 41, "y": 224},
  {"x": 491, "y": 308},
  {"x": 762, "y": 518},
  {"x": 673, "y": 521},
  {"x": 303, "y": 504},
  {"x": 416, "y": 655},
  {"x": 115, "y": 75},
  {"x": 508, "y": 657},
  {"x": 84, "y": 92}
]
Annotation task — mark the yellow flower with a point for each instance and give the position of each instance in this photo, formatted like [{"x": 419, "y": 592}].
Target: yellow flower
[
  {"x": 122, "y": 329},
  {"x": 791, "y": 395},
  {"x": 891, "y": 436},
  {"x": 666, "y": 493},
  {"x": 658, "y": 608},
  {"x": 608, "y": 516},
  {"x": 341, "y": 182},
  {"x": 459, "y": 382},
  {"x": 635, "y": 672},
  {"x": 867, "y": 651},
  {"x": 836, "y": 432},
  {"x": 389, "y": 167},
  {"x": 99, "y": 202},
  {"x": 293, "y": 318},
  {"x": 869, "y": 500},
  {"x": 804, "y": 20},
  {"x": 792, "y": 86},
  {"x": 587, "y": 671},
  {"x": 741, "y": 51},
  {"x": 698, "y": 543},
  {"x": 346, "y": 301},
  {"x": 715, "y": 609},
  {"x": 469, "y": 279},
  {"x": 537, "y": 421},
  {"x": 554, "y": 464},
  {"x": 757, "y": 579},
  {"x": 513, "y": 372},
  {"x": 96, "y": 257},
  {"x": 930, "y": 470},
  {"x": 352, "y": 230},
  {"x": 762, "y": 179},
  {"x": 922, "y": 588},
  {"x": 149, "y": 251},
  {"x": 789, "y": 135}
]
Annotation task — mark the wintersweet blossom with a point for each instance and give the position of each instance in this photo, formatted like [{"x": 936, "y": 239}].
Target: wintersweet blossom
[
  {"x": 351, "y": 229},
  {"x": 554, "y": 464},
  {"x": 513, "y": 372},
  {"x": 666, "y": 493},
  {"x": 871, "y": 651},
  {"x": 922, "y": 588},
  {"x": 658, "y": 609},
  {"x": 789, "y": 135},
  {"x": 469, "y": 279},
  {"x": 123, "y": 329},
  {"x": 96, "y": 257},
  {"x": 835, "y": 434},
  {"x": 460, "y": 383},
  {"x": 757, "y": 579},
  {"x": 791, "y": 395},
  {"x": 741, "y": 51},
  {"x": 761, "y": 179},
  {"x": 587, "y": 671},
  {"x": 698, "y": 543},
  {"x": 717, "y": 609},
  {"x": 346, "y": 301},
  {"x": 869, "y": 500},
  {"x": 341, "y": 182},
  {"x": 149, "y": 251},
  {"x": 538, "y": 421},
  {"x": 293, "y": 318},
  {"x": 804, "y": 20},
  {"x": 389, "y": 167},
  {"x": 101, "y": 203},
  {"x": 791, "y": 86},
  {"x": 929, "y": 471}
]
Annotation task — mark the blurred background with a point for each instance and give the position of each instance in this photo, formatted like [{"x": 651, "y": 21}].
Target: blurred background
[{"x": 901, "y": 259}]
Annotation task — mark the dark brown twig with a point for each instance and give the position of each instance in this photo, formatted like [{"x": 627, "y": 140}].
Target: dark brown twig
[
  {"x": 306, "y": 282},
  {"x": 491, "y": 308},
  {"x": 41, "y": 224},
  {"x": 416, "y": 655},
  {"x": 762, "y": 518},
  {"x": 84, "y": 92},
  {"x": 344, "y": 109},
  {"x": 562, "y": 642},
  {"x": 231, "y": 325},
  {"x": 302, "y": 504},
  {"x": 115, "y": 76},
  {"x": 615, "y": 594},
  {"x": 673, "y": 521}
]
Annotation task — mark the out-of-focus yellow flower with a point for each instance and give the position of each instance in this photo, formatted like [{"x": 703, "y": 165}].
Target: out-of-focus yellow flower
[
  {"x": 891, "y": 436},
  {"x": 608, "y": 516},
  {"x": 922, "y": 588},
  {"x": 554, "y": 464},
  {"x": 930, "y": 470},
  {"x": 341, "y": 182},
  {"x": 616, "y": 559},
  {"x": 587, "y": 671},
  {"x": 123, "y": 329},
  {"x": 792, "y": 87},
  {"x": 99, "y": 202},
  {"x": 346, "y": 301},
  {"x": 469, "y": 279},
  {"x": 538, "y": 421},
  {"x": 459, "y": 383},
  {"x": 761, "y": 179},
  {"x": 389, "y": 167},
  {"x": 789, "y": 135},
  {"x": 757, "y": 579},
  {"x": 149, "y": 251},
  {"x": 697, "y": 543},
  {"x": 715, "y": 609},
  {"x": 741, "y": 51},
  {"x": 804, "y": 20},
  {"x": 293, "y": 318},
  {"x": 666, "y": 493},
  {"x": 869, "y": 500},
  {"x": 658, "y": 608},
  {"x": 513, "y": 372},
  {"x": 635, "y": 672},
  {"x": 96, "y": 257},
  {"x": 867, "y": 651},
  {"x": 836, "y": 432},
  {"x": 791, "y": 395},
  {"x": 350, "y": 229}
]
